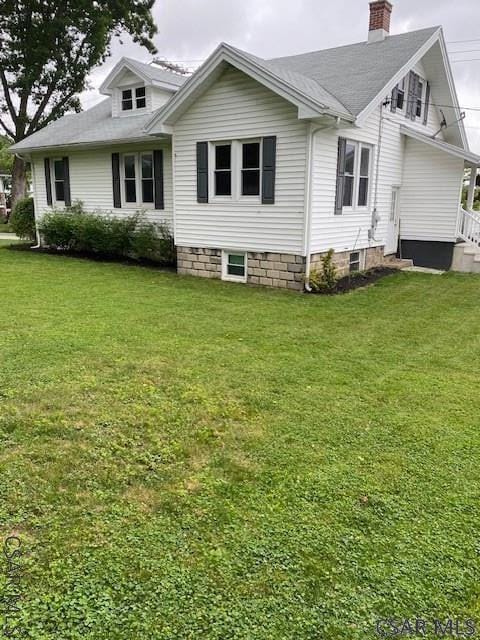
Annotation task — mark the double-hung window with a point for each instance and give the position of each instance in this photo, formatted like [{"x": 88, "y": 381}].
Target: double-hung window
[
  {"x": 353, "y": 177},
  {"x": 140, "y": 98},
  {"x": 127, "y": 101},
  {"x": 130, "y": 178},
  {"x": 146, "y": 162},
  {"x": 59, "y": 179},
  {"x": 223, "y": 169},
  {"x": 251, "y": 169},
  {"x": 138, "y": 179}
]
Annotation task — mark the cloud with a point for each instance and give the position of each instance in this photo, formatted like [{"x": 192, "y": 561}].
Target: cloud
[{"x": 189, "y": 31}]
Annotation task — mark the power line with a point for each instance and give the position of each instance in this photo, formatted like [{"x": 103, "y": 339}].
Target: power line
[
  {"x": 462, "y": 41},
  {"x": 469, "y": 60},
  {"x": 465, "y": 51}
]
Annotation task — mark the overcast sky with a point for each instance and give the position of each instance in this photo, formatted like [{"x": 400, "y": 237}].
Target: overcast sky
[{"x": 189, "y": 30}]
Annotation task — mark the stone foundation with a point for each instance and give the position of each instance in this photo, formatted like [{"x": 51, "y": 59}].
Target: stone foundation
[
  {"x": 371, "y": 257},
  {"x": 281, "y": 270},
  {"x": 193, "y": 261}
]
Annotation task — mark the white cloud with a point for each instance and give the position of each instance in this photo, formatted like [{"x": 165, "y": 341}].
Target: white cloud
[{"x": 189, "y": 31}]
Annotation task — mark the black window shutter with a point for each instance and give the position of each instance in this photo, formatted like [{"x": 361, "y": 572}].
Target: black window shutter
[
  {"x": 202, "y": 172},
  {"x": 158, "y": 178},
  {"x": 427, "y": 104},
  {"x": 48, "y": 181},
  {"x": 117, "y": 198},
  {"x": 269, "y": 169},
  {"x": 393, "y": 103},
  {"x": 412, "y": 96},
  {"x": 342, "y": 145},
  {"x": 66, "y": 173}
]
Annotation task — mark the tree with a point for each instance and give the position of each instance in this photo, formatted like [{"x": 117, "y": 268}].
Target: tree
[
  {"x": 6, "y": 158},
  {"x": 47, "y": 49}
]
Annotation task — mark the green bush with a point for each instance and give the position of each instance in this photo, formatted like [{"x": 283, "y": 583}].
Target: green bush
[
  {"x": 22, "y": 220},
  {"x": 324, "y": 280},
  {"x": 76, "y": 231}
]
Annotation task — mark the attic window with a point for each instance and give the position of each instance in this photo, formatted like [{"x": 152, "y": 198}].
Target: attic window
[
  {"x": 134, "y": 98},
  {"x": 127, "y": 102},
  {"x": 140, "y": 98}
]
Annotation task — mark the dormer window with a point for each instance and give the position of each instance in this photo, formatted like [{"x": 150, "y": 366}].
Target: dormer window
[
  {"x": 140, "y": 98},
  {"x": 134, "y": 99}
]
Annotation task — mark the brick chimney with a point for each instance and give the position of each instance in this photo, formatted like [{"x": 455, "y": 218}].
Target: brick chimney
[{"x": 380, "y": 12}]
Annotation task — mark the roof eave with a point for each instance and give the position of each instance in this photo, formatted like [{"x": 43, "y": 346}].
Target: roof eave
[
  {"x": 88, "y": 144},
  {"x": 464, "y": 154}
]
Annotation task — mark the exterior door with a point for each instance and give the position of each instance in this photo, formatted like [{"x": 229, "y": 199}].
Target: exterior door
[{"x": 391, "y": 244}]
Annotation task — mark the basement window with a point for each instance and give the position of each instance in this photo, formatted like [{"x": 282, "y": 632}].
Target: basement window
[
  {"x": 355, "y": 261},
  {"x": 234, "y": 266}
]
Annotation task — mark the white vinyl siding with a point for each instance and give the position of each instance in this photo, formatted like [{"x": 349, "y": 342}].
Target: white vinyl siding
[
  {"x": 91, "y": 181},
  {"x": 430, "y": 194},
  {"x": 349, "y": 232},
  {"x": 238, "y": 108}
]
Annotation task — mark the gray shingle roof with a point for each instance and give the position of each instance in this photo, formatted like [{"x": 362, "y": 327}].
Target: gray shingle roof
[
  {"x": 94, "y": 125},
  {"x": 344, "y": 79},
  {"x": 356, "y": 73},
  {"x": 303, "y": 83}
]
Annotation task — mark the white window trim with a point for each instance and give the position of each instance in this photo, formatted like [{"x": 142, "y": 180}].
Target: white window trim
[
  {"x": 52, "y": 180},
  {"x": 355, "y": 208},
  {"x": 227, "y": 276},
  {"x": 139, "y": 204},
  {"x": 236, "y": 171},
  {"x": 134, "y": 109}
]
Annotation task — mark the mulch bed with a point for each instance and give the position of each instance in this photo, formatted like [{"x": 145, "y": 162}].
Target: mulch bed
[{"x": 360, "y": 279}]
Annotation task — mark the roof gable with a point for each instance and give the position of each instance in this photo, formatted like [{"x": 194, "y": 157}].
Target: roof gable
[
  {"x": 146, "y": 73},
  {"x": 305, "y": 93}
]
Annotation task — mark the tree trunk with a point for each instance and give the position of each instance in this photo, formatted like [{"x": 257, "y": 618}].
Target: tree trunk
[{"x": 19, "y": 180}]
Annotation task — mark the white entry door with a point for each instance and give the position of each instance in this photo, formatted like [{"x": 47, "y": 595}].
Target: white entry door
[{"x": 391, "y": 244}]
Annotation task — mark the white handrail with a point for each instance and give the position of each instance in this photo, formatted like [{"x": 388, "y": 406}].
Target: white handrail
[{"x": 469, "y": 227}]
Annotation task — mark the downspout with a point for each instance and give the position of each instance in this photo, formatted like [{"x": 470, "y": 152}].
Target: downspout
[
  {"x": 309, "y": 195},
  {"x": 375, "y": 216}
]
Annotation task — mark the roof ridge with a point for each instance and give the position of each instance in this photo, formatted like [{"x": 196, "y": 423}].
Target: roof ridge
[{"x": 354, "y": 44}]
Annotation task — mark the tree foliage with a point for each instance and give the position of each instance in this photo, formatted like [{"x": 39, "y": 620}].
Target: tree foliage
[
  {"x": 6, "y": 158},
  {"x": 48, "y": 48}
]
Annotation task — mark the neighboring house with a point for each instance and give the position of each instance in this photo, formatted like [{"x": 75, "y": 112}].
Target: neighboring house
[{"x": 261, "y": 166}]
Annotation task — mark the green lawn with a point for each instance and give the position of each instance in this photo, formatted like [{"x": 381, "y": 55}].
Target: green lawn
[{"x": 186, "y": 458}]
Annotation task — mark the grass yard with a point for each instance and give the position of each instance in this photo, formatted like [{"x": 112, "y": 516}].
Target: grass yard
[{"x": 187, "y": 459}]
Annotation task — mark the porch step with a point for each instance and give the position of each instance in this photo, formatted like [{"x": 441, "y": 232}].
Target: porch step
[{"x": 466, "y": 258}]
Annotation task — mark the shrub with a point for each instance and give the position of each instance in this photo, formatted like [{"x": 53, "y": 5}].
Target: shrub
[
  {"x": 22, "y": 220},
  {"x": 324, "y": 280},
  {"x": 76, "y": 231}
]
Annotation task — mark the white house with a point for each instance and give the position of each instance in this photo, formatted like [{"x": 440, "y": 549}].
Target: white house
[{"x": 261, "y": 166}]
